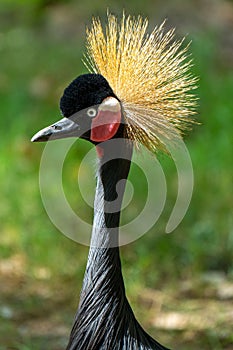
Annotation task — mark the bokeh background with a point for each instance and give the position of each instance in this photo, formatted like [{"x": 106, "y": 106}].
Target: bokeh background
[{"x": 180, "y": 285}]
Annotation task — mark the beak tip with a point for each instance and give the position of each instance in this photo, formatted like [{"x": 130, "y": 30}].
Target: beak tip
[
  {"x": 33, "y": 139},
  {"x": 37, "y": 137},
  {"x": 42, "y": 135}
]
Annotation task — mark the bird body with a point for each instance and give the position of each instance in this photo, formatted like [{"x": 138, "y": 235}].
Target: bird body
[{"x": 136, "y": 93}]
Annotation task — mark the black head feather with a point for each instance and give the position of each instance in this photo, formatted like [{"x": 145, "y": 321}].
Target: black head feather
[{"x": 85, "y": 91}]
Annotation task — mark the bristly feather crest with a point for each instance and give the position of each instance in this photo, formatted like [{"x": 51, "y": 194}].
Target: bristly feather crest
[{"x": 150, "y": 75}]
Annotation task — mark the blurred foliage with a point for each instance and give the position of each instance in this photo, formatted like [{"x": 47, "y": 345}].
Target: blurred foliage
[{"x": 41, "y": 47}]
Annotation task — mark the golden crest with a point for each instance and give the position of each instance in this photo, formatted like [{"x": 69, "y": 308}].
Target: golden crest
[{"x": 150, "y": 74}]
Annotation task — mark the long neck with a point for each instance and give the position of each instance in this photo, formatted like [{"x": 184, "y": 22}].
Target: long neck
[
  {"x": 103, "y": 260},
  {"x": 102, "y": 298},
  {"x": 104, "y": 319}
]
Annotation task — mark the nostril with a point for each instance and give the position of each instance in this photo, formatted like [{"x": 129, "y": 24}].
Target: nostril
[{"x": 56, "y": 127}]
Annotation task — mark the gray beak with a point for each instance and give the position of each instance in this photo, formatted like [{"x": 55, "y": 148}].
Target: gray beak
[{"x": 61, "y": 129}]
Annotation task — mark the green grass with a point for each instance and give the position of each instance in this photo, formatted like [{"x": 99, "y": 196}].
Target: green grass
[{"x": 36, "y": 65}]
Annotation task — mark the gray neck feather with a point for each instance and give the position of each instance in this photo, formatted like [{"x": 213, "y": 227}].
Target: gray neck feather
[{"x": 104, "y": 319}]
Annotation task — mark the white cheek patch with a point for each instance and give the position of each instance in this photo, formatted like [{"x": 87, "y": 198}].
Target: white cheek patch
[{"x": 110, "y": 104}]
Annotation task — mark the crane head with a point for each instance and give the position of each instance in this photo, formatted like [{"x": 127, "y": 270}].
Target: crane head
[
  {"x": 147, "y": 76},
  {"x": 90, "y": 109}
]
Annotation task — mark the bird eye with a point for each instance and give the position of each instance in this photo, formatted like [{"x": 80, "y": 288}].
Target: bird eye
[{"x": 91, "y": 112}]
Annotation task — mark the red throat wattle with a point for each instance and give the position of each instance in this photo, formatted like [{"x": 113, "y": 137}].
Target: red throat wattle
[{"x": 105, "y": 125}]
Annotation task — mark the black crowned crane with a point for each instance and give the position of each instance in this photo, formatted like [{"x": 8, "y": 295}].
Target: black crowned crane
[{"x": 137, "y": 92}]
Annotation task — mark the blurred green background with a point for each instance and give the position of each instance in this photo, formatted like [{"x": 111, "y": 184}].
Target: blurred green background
[{"x": 180, "y": 285}]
